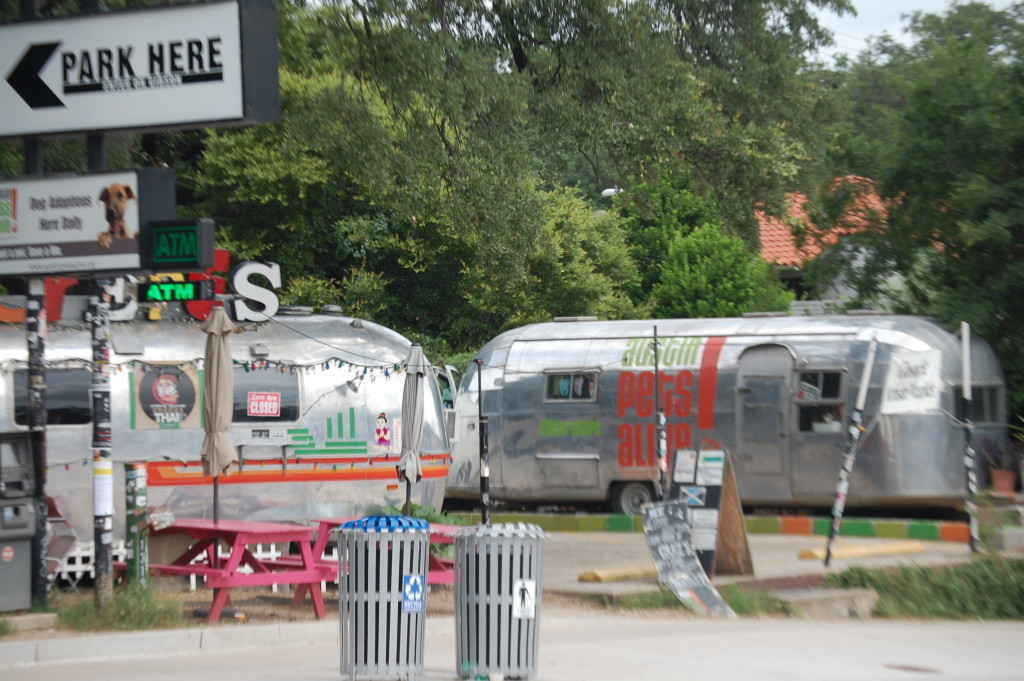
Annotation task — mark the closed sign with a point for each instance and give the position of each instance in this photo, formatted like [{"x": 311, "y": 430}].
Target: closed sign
[{"x": 264, "y": 404}]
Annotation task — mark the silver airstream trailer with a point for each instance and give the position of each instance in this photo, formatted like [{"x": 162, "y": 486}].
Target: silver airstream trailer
[
  {"x": 571, "y": 413},
  {"x": 317, "y": 420}
]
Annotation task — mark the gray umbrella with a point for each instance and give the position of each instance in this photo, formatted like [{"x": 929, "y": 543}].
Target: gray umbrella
[
  {"x": 413, "y": 397},
  {"x": 218, "y": 450}
]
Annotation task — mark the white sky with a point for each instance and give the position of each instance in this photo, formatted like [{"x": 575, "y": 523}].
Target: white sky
[{"x": 875, "y": 17}]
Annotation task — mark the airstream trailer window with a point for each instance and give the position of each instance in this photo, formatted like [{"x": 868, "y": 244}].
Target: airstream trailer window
[
  {"x": 819, "y": 400},
  {"x": 986, "y": 404},
  {"x": 67, "y": 397},
  {"x": 266, "y": 382},
  {"x": 576, "y": 387}
]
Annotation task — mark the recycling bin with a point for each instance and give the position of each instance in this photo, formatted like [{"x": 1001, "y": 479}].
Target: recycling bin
[
  {"x": 17, "y": 528},
  {"x": 498, "y": 579},
  {"x": 382, "y": 587}
]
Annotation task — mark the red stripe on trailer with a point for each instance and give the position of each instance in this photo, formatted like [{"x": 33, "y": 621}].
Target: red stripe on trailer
[{"x": 707, "y": 382}]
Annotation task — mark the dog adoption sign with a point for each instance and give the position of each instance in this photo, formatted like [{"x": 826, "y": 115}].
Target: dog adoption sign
[
  {"x": 194, "y": 65},
  {"x": 80, "y": 224}
]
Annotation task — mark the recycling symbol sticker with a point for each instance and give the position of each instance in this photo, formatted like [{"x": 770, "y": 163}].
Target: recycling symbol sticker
[{"x": 412, "y": 593}]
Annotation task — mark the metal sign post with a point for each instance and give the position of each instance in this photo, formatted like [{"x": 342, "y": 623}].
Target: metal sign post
[
  {"x": 102, "y": 463},
  {"x": 853, "y": 433},
  {"x": 35, "y": 330},
  {"x": 485, "y": 468},
  {"x": 969, "y": 453},
  {"x": 662, "y": 449}
]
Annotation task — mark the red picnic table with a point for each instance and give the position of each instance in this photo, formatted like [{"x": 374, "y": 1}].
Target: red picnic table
[
  {"x": 222, "y": 575},
  {"x": 439, "y": 570}
]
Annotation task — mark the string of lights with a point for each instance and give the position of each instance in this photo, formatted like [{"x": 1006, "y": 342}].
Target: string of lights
[{"x": 332, "y": 363}]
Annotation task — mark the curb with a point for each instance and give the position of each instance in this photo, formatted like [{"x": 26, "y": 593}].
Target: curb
[
  {"x": 162, "y": 642},
  {"x": 924, "y": 530}
]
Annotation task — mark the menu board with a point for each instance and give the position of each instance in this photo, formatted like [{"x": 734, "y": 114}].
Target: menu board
[{"x": 669, "y": 537}]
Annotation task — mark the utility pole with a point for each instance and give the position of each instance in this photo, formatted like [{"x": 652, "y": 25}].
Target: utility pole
[
  {"x": 35, "y": 332},
  {"x": 485, "y": 466},
  {"x": 665, "y": 485}
]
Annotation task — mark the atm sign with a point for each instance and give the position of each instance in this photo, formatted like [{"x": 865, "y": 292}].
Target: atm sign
[{"x": 264, "y": 404}]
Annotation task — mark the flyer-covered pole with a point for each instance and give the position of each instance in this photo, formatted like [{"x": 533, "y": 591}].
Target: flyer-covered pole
[
  {"x": 35, "y": 329},
  {"x": 664, "y": 486},
  {"x": 102, "y": 463},
  {"x": 853, "y": 433},
  {"x": 136, "y": 499},
  {"x": 485, "y": 466},
  {"x": 969, "y": 453}
]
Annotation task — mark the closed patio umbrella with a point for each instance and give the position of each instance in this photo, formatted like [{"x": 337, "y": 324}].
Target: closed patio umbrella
[
  {"x": 413, "y": 397},
  {"x": 218, "y": 452}
]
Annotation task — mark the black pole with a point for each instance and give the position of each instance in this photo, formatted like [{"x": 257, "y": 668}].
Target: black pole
[
  {"x": 663, "y": 475},
  {"x": 969, "y": 453},
  {"x": 485, "y": 466},
  {"x": 853, "y": 433},
  {"x": 102, "y": 463},
  {"x": 35, "y": 330}
]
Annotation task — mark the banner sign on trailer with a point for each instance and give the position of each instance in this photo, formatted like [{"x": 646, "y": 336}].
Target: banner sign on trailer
[
  {"x": 913, "y": 384},
  {"x": 191, "y": 65},
  {"x": 80, "y": 224}
]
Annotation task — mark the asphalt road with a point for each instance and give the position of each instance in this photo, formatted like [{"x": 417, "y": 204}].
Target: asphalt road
[{"x": 583, "y": 645}]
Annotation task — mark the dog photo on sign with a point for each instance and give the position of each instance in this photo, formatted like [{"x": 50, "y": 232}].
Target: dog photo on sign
[{"x": 115, "y": 198}]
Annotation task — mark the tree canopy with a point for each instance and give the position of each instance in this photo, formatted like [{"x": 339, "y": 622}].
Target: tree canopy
[{"x": 948, "y": 162}]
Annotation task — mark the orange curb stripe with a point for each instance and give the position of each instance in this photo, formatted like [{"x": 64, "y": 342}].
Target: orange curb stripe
[
  {"x": 955, "y": 532},
  {"x": 797, "y": 525}
]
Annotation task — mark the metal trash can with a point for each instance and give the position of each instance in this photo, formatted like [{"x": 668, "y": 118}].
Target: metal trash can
[
  {"x": 382, "y": 586},
  {"x": 498, "y": 571}
]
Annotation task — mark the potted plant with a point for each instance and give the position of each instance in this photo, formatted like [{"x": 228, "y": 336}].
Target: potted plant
[{"x": 1003, "y": 466}]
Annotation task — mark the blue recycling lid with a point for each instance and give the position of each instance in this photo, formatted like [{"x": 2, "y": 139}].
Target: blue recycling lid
[{"x": 386, "y": 523}]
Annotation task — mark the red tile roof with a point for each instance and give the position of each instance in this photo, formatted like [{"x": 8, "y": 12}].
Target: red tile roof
[{"x": 779, "y": 243}]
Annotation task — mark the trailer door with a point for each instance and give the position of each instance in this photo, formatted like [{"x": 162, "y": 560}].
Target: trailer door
[{"x": 762, "y": 421}]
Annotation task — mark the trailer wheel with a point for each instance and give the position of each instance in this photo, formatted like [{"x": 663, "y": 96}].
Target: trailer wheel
[{"x": 629, "y": 498}]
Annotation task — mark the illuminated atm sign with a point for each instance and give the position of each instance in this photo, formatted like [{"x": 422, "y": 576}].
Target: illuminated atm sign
[
  {"x": 178, "y": 245},
  {"x": 176, "y": 291}
]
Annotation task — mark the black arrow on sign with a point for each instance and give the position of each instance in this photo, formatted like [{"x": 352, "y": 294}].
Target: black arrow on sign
[{"x": 25, "y": 80}]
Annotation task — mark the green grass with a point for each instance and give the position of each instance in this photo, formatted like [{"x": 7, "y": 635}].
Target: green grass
[
  {"x": 744, "y": 602},
  {"x": 989, "y": 588},
  {"x": 753, "y": 602},
  {"x": 132, "y": 608},
  {"x": 6, "y": 628}
]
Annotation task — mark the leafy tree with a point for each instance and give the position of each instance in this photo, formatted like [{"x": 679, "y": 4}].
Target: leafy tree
[
  {"x": 711, "y": 274},
  {"x": 624, "y": 91},
  {"x": 955, "y": 232},
  {"x": 658, "y": 213}
]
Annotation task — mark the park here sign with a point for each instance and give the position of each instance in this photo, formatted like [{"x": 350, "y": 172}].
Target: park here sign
[{"x": 169, "y": 67}]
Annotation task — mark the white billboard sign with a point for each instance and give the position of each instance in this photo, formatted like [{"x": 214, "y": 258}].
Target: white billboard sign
[
  {"x": 80, "y": 224},
  {"x": 172, "y": 66},
  {"x": 913, "y": 384}
]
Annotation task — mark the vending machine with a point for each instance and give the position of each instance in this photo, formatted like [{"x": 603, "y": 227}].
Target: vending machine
[{"x": 17, "y": 521}]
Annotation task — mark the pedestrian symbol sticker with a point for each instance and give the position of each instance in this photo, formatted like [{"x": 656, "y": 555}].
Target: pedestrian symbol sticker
[
  {"x": 412, "y": 593},
  {"x": 524, "y": 599}
]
